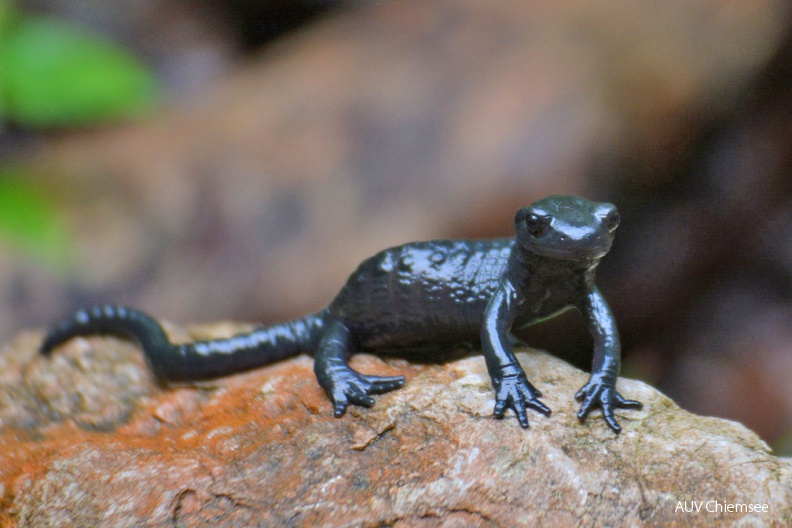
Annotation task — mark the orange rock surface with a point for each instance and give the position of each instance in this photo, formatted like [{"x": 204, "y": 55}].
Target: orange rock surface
[{"x": 88, "y": 439}]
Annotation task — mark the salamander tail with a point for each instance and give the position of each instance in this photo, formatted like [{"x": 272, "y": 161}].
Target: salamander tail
[{"x": 191, "y": 361}]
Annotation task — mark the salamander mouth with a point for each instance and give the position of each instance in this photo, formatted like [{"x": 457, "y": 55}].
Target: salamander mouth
[{"x": 569, "y": 251}]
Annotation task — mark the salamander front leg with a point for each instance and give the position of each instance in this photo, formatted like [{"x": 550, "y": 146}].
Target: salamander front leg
[
  {"x": 600, "y": 391},
  {"x": 343, "y": 384},
  {"x": 512, "y": 388}
]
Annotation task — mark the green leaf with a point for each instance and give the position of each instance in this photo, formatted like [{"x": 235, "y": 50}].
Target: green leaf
[
  {"x": 29, "y": 220},
  {"x": 6, "y": 14},
  {"x": 52, "y": 74}
]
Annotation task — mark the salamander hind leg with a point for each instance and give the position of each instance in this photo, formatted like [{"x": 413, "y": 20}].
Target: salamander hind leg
[{"x": 343, "y": 384}]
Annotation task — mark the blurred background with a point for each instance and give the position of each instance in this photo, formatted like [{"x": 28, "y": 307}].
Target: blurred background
[{"x": 236, "y": 160}]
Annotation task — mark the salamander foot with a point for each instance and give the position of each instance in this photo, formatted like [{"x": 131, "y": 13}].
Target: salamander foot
[
  {"x": 355, "y": 388},
  {"x": 600, "y": 393}
]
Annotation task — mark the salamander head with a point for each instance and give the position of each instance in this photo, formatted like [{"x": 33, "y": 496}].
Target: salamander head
[{"x": 566, "y": 227}]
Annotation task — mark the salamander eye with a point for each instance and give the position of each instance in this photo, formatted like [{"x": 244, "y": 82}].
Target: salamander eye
[
  {"x": 612, "y": 220},
  {"x": 537, "y": 224}
]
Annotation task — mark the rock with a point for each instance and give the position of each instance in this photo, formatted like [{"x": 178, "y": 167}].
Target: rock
[{"x": 88, "y": 439}]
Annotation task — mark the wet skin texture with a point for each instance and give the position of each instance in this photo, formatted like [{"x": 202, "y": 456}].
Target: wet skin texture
[{"x": 418, "y": 296}]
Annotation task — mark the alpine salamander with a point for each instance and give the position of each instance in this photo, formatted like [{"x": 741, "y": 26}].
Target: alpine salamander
[{"x": 419, "y": 295}]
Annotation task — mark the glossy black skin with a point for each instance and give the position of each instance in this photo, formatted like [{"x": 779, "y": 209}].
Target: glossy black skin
[{"x": 418, "y": 296}]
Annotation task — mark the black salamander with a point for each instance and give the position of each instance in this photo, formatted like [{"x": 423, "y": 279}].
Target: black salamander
[{"x": 421, "y": 295}]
